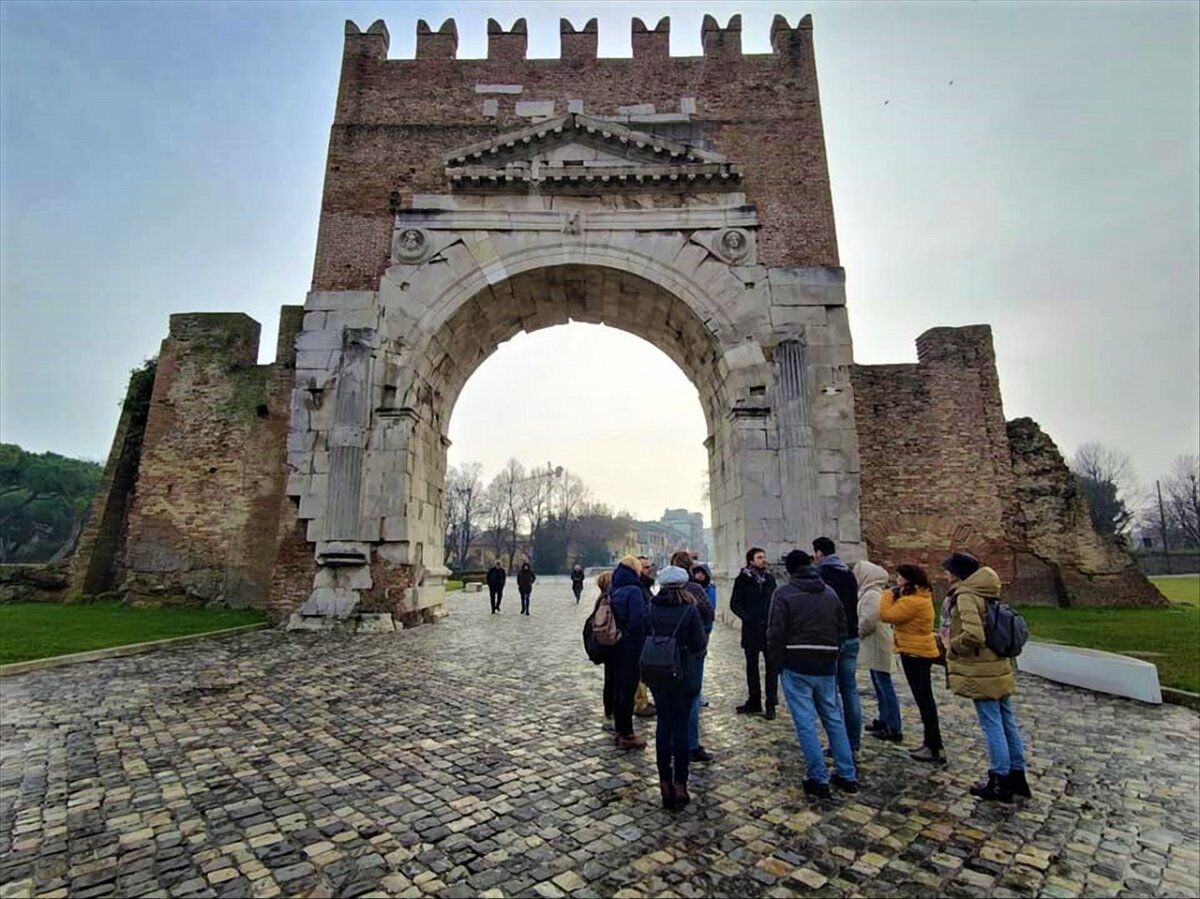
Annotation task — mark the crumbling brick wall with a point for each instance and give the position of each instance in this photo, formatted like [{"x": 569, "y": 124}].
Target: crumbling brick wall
[
  {"x": 396, "y": 117},
  {"x": 202, "y": 522}
]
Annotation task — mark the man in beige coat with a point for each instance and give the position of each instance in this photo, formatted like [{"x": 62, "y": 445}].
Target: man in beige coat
[{"x": 980, "y": 675}]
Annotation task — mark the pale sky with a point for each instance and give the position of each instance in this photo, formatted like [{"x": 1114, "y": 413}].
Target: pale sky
[{"x": 159, "y": 158}]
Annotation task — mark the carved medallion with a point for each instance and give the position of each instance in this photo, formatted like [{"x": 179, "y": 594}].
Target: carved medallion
[
  {"x": 410, "y": 245},
  {"x": 734, "y": 244}
]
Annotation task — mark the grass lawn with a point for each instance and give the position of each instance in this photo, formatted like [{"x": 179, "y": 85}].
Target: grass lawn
[
  {"x": 452, "y": 585},
  {"x": 37, "y": 630},
  {"x": 1170, "y": 638}
]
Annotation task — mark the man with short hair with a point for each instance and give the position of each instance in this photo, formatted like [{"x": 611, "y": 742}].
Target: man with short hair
[
  {"x": 806, "y": 630},
  {"x": 751, "y": 601},
  {"x": 837, "y": 574},
  {"x": 495, "y": 581}
]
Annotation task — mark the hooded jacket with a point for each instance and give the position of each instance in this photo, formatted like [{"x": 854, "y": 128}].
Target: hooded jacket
[
  {"x": 975, "y": 671},
  {"x": 876, "y": 650},
  {"x": 837, "y": 575},
  {"x": 751, "y": 602},
  {"x": 525, "y": 579},
  {"x": 629, "y": 607},
  {"x": 807, "y": 625}
]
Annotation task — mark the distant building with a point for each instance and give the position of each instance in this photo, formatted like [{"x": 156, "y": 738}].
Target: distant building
[{"x": 677, "y": 529}]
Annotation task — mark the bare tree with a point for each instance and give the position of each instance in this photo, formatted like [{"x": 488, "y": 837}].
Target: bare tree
[
  {"x": 537, "y": 500},
  {"x": 511, "y": 479},
  {"x": 1106, "y": 479},
  {"x": 1181, "y": 496},
  {"x": 463, "y": 497}
]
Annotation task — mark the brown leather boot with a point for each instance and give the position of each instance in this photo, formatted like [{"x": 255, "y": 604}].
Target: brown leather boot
[
  {"x": 667, "y": 789},
  {"x": 633, "y": 742},
  {"x": 681, "y": 795}
]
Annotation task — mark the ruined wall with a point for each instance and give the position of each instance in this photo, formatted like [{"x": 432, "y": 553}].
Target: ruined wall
[
  {"x": 396, "y": 117},
  {"x": 935, "y": 468},
  {"x": 942, "y": 471},
  {"x": 1058, "y": 545},
  {"x": 202, "y": 523},
  {"x": 96, "y": 565}
]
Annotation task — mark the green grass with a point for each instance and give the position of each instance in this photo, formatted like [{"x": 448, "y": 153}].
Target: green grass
[
  {"x": 1170, "y": 638},
  {"x": 39, "y": 630},
  {"x": 452, "y": 585}
]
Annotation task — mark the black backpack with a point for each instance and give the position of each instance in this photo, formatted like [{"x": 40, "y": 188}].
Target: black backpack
[
  {"x": 1005, "y": 629},
  {"x": 663, "y": 664}
]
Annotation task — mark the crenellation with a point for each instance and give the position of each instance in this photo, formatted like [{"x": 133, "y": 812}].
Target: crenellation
[
  {"x": 651, "y": 44},
  {"x": 793, "y": 43},
  {"x": 440, "y": 44},
  {"x": 577, "y": 46},
  {"x": 507, "y": 46},
  {"x": 721, "y": 42},
  {"x": 370, "y": 44}
]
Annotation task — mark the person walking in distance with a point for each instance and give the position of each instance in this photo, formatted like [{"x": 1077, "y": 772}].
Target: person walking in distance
[
  {"x": 806, "y": 630},
  {"x": 875, "y": 650},
  {"x": 838, "y": 575},
  {"x": 908, "y": 608},
  {"x": 525, "y": 579},
  {"x": 577, "y": 582},
  {"x": 629, "y": 608},
  {"x": 979, "y": 674},
  {"x": 750, "y": 601},
  {"x": 495, "y": 581},
  {"x": 675, "y": 612}
]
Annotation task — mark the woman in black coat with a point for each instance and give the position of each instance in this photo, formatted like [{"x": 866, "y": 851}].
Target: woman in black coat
[{"x": 673, "y": 611}]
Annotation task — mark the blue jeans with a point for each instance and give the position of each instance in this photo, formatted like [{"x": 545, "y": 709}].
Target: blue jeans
[
  {"x": 1006, "y": 752},
  {"x": 808, "y": 696},
  {"x": 889, "y": 705},
  {"x": 848, "y": 688},
  {"x": 694, "y": 717}
]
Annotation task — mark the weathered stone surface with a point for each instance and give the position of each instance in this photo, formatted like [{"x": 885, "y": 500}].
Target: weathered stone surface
[{"x": 301, "y": 764}]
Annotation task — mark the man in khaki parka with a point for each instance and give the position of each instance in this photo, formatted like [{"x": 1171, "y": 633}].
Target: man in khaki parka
[{"x": 978, "y": 674}]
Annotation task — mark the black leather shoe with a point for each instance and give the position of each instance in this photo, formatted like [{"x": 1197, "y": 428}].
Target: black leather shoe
[
  {"x": 1018, "y": 785},
  {"x": 846, "y": 786},
  {"x": 817, "y": 790},
  {"x": 994, "y": 789},
  {"x": 748, "y": 709},
  {"x": 769, "y": 714},
  {"x": 701, "y": 755}
]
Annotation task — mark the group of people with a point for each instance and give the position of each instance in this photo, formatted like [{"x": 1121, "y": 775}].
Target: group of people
[{"x": 812, "y": 632}]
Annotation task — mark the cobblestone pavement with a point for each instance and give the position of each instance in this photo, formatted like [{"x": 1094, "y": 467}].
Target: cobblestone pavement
[{"x": 467, "y": 758}]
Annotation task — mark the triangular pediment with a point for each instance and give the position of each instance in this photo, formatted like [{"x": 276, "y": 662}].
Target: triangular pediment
[{"x": 578, "y": 149}]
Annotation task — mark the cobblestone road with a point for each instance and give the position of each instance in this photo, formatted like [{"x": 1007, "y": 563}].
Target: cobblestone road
[{"x": 468, "y": 758}]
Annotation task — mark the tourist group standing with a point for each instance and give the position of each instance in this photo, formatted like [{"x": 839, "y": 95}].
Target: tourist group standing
[{"x": 808, "y": 635}]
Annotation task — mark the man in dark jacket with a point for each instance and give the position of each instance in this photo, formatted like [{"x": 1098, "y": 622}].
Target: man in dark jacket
[
  {"x": 577, "y": 582},
  {"x": 838, "y": 575},
  {"x": 495, "y": 581},
  {"x": 525, "y": 579},
  {"x": 750, "y": 601},
  {"x": 629, "y": 608},
  {"x": 806, "y": 629}
]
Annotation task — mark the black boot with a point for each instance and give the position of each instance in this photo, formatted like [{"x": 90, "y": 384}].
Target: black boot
[
  {"x": 1017, "y": 784},
  {"x": 994, "y": 789},
  {"x": 817, "y": 790}
]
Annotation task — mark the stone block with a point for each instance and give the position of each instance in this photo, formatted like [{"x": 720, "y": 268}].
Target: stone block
[
  {"x": 1092, "y": 669},
  {"x": 331, "y": 602},
  {"x": 339, "y": 300},
  {"x": 535, "y": 108}
]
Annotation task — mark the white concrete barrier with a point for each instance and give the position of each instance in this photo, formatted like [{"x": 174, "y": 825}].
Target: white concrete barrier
[{"x": 1092, "y": 669}]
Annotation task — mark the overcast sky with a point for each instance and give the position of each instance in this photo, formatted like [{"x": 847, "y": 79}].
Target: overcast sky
[{"x": 168, "y": 157}]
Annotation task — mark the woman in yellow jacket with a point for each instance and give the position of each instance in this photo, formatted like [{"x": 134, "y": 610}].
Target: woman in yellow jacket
[
  {"x": 908, "y": 608},
  {"x": 980, "y": 675}
]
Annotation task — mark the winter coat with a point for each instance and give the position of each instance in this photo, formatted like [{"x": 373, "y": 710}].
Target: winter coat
[
  {"x": 700, "y": 595},
  {"x": 837, "y": 575},
  {"x": 911, "y": 617},
  {"x": 710, "y": 591},
  {"x": 665, "y": 614},
  {"x": 496, "y": 578},
  {"x": 576, "y": 576},
  {"x": 875, "y": 653},
  {"x": 751, "y": 602},
  {"x": 629, "y": 607},
  {"x": 807, "y": 625},
  {"x": 525, "y": 579},
  {"x": 975, "y": 671}
]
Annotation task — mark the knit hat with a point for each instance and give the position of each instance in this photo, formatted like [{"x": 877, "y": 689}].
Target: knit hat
[
  {"x": 961, "y": 565},
  {"x": 672, "y": 576}
]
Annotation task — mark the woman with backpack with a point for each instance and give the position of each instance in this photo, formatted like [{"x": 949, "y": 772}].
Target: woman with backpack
[
  {"x": 979, "y": 674},
  {"x": 675, "y": 644},
  {"x": 604, "y": 581},
  {"x": 525, "y": 579},
  {"x": 908, "y": 608}
]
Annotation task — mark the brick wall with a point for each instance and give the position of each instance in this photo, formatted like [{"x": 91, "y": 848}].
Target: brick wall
[
  {"x": 202, "y": 523},
  {"x": 395, "y": 119}
]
